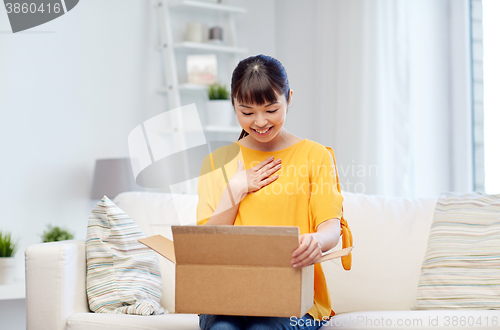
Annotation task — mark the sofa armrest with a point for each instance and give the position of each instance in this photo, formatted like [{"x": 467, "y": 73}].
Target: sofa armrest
[{"x": 55, "y": 284}]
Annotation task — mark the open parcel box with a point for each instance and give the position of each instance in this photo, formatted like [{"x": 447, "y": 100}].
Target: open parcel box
[{"x": 238, "y": 270}]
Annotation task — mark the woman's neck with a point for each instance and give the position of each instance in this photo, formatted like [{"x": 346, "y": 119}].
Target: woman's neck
[{"x": 283, "y": 140}]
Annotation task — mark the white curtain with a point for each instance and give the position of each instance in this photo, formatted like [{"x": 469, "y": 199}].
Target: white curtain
[{"x": 392, "y": 94}]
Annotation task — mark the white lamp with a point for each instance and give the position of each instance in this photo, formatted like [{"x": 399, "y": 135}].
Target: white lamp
[{"x": 113, "y": 176}]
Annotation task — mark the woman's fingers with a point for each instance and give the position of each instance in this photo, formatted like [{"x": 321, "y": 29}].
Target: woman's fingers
[
  {"x": 262, "y": 174},
  {"x": 269, "y": 180},
  {"x": 302, "y": 246},
  {"x": 263, "y": 163},
  {"x": 307, "y": 252},
  {"x": 309, "y": 260},
  {"x": 269, "y": 169}
]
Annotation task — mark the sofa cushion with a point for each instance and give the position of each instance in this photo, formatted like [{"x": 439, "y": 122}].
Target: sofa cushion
[
  {"x": 462, "y": 263},
  {"x": 95, "y": 321},
  {"x": 389, "y": 238},
  {"x": 155, "y": 213},
  {"x": 123, "y": 275},
  {"x": 366, "y": 320}
]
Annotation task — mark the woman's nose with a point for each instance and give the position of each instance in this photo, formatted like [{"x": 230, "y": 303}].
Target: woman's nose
[{"x": 260, "y": 121}]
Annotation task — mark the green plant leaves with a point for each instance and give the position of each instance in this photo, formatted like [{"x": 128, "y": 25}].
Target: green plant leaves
[
  {"x": 55, "y": 234},
  {"x": 218, "y": 92},
  {"x": 7, "y": 245}
]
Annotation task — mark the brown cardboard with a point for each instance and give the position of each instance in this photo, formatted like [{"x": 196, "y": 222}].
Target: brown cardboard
[{"x": 238, "y": 270}]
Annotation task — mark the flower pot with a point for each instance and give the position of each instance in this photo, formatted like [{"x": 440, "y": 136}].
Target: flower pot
[
  {"x": 7, "y": 266},
  {"x": 220, "y": 113}
]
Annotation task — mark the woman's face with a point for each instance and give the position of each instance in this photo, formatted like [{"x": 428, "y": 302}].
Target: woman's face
[{"x": 267, "y": 118}]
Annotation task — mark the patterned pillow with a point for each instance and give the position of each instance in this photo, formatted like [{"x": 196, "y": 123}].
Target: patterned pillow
[
  {"x": 123, "y": 275},
  {"x": 461, "y": 268}
]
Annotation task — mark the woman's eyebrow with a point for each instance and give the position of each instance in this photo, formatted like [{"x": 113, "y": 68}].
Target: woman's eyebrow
[{"x": 246, "y": 106}]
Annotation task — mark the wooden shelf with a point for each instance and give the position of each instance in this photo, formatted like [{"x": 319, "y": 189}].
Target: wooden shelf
[
  {"x": 188, "y": 45},
  {"x": 15, "y": 290},
  {"x": 201, "y": 5}
]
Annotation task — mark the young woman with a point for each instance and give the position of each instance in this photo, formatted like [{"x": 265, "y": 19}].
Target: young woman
[{"x": 275, "y": 179}]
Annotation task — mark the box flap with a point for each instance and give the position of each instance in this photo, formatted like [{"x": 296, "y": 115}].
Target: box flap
[
  {"x": 335, "y": 254},
  {"x": 160, "y": 244},
  {"x": 235, "y": 245}
]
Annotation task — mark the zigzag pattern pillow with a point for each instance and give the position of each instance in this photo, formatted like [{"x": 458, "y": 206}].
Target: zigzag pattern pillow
[{"x": 123, "y": 275}]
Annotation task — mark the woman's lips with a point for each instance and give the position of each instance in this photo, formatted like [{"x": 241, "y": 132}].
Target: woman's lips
[{"x": 266, "y": 133}]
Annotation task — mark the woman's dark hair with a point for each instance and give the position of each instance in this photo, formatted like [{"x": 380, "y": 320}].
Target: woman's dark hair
[{"x": 257, "y": 80}]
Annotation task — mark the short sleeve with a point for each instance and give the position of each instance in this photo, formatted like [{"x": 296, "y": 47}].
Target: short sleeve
[
  {"x": 325, "y": 201},
  {"x": 206, "y": 199}
]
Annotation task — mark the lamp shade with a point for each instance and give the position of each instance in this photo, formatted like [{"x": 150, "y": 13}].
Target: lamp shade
[{"x": 113, "y": 176}]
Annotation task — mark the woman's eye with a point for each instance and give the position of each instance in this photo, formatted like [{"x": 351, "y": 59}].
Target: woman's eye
[{"x": 248, "y": 114}]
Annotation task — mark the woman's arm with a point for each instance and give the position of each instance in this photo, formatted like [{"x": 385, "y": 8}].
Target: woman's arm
[
  {"x": 312, "y": 245},
  {"x": 226, "y": 210}
]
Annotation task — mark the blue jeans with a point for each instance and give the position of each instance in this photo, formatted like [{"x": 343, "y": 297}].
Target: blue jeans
[{"x": 229, "y": 322}]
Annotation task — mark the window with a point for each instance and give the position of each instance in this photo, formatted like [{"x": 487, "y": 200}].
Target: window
[{"x": 491, "y": 69}]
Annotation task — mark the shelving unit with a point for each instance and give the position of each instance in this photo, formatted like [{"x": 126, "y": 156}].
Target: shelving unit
[
  {"x": 171, "y": 48},
  {"x": 174, "y": 49}
]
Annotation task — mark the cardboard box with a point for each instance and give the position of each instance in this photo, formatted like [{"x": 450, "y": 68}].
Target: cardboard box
[{"x": 238, "y": 270}]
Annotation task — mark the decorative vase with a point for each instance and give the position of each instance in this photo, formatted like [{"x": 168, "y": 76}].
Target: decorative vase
[
  {"x": 220, "y": 113},
  {"x": 7, "y": 265},
  {"x": 194, "y": 32},
  {"x": 215, "y": 35}
]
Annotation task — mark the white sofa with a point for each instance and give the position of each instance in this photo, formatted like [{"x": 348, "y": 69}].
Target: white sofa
[{"x": 390, "y": 239}]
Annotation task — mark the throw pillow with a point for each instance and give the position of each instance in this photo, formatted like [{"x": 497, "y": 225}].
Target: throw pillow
[
  {"x": 461, "y": 268},
  {"x": 123, "y": 275}
]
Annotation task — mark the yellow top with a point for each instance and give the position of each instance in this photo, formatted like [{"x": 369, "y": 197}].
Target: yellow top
[{"x": 304, "y": 195}]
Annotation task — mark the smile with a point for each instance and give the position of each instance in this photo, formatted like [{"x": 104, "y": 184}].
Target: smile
[{"x": 263, "y": 132}]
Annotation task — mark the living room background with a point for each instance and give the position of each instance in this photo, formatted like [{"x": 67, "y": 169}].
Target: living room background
[{"x": 386, "y": 84}]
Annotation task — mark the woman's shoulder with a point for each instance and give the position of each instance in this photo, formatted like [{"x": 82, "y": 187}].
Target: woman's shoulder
[
  {"x": 222, "y": 153},
  {"x": 315, "y": 146}
]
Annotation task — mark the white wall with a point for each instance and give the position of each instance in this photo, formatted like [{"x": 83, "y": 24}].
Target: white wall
[
  {"x": 71, "y": 90},
  {"x": 296, "y": 45}
]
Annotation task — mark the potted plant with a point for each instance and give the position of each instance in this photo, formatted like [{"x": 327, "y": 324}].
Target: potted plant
[
  {"x": 7, "y": 262},
  {"x": 55, "y": 234},
  {"x": 219, "y": 108}
]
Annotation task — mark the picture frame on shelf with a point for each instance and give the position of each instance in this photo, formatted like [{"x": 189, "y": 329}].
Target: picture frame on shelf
[{"x": 202, "y": 69}]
